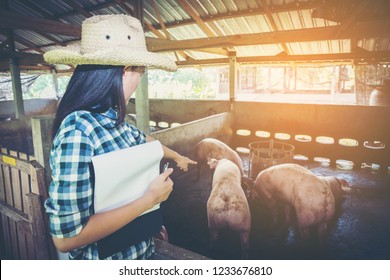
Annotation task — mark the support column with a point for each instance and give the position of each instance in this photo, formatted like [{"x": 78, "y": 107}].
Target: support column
[
  {"x": 17, "y": 89},
  {"x": 14, "y": 71},
  {"x": 142, "y": 92},
  {"x": 55, "y": 82},
  {"x": 232, "y": 78},
  {"x": 42, "y": 141},
  {"x": 142, "y": 104},
  {"x": 41, "y": 133}
]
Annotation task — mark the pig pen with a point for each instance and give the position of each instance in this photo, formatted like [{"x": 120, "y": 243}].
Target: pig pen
[{"x": 359, "y": 230}]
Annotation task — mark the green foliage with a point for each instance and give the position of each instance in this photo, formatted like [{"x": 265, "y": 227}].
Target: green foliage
[
  {"x": 44, "y": 86},
  {"x": 185, "y": 83}
]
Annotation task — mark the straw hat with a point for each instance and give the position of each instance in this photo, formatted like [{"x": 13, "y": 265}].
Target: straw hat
[{"x": 110, "y": 40}]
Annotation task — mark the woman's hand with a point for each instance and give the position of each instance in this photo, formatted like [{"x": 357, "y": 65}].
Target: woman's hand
[
  {"x": 160, "y": 188},
  {"x": 183, "y": 162}
]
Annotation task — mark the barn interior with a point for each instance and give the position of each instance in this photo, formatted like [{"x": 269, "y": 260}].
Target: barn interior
[{"x": 350, "y": 139}]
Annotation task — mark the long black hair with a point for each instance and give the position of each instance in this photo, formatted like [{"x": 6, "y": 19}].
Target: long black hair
[{"x": 94, "y": 88}]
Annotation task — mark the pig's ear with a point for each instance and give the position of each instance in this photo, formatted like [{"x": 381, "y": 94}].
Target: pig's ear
[
  {"x": 344, "y": 185},
  {"x": 343, "y": 182},
  {"x": 212, "y": 162}
]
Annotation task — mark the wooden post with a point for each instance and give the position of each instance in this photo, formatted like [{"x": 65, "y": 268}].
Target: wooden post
[
  {"x": 360, "y": 84},
  {"x": 334, "y": 84},
  {"x": 42, "y": 250},
  {"x": 232, "y": 78},
  {"x": 42, "y": 141},
  {"x": 55, "y": 82},
  {"x": 17, "y": 89},
  {"x": 142, "y": 92},
  {"x": 14, "y": 71},
  {"x": 142, "y": 104}
]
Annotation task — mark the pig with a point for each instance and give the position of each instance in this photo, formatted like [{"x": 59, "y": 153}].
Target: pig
[
  {"x": 299, "y": 189},
  {"x": 214, "y": 148},
  {"x": 227, "y": 206}
]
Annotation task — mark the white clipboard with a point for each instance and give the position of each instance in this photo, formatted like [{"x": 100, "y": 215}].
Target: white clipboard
[{"x": 124, "y": 175}]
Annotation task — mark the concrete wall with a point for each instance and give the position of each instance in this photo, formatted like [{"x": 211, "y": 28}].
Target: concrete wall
[
  {"x": 16, "y": 134},
  {"x": 183, "y": 138},
  {"x": 182, "y": 111},
  {"x": 32, "y": 107},
  {"x": 365, "y": 124}
]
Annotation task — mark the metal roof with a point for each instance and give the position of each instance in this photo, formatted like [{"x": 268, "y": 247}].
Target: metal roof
[{"x": 349, "y": 29}]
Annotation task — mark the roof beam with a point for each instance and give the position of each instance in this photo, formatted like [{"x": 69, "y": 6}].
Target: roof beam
[
  {"x": 272, "y": 22},
  {"x": 193, "y": 14},
  {"x": 359, "y": 56},
  {"x": 166, "y": 33},
  {"x": 23, "y": 42},
  {"x": 26, "y": 59},
  {"x": 17, "y": 21},
  {"x": 160, "y": 19},
  {"x": 23, "y": 59},
  {"x": 14, "y": 54},
  {"x": 299, "y": 35},
  {"x": 215, "y": 51}
]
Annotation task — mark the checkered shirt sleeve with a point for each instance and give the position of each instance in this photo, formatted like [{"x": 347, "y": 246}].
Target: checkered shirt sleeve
[{"x": 70, "y": 192}]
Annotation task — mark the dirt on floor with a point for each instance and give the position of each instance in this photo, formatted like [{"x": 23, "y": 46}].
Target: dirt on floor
[{"x": 359, "y": 230}]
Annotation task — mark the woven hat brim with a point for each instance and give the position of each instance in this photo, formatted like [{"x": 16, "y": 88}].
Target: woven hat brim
[{"x": 118, "y": 56}]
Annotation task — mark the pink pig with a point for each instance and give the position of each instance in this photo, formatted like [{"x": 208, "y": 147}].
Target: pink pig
[
  {"x": 227, "y": 206},
  {"x": 214, "y": 148},
  {"x": 312, "y": 197}
]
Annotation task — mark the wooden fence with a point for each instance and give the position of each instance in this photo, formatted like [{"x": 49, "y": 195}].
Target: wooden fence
[{"x": 23, "y": 222}]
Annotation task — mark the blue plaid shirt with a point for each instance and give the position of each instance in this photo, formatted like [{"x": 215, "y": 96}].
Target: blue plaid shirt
[{"x": 83, "y": 134}]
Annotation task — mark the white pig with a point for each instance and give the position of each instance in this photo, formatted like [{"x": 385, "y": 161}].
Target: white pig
[
  {"x": 227, "y": 206},
  {"x": 214, "y": 148},
  {"x": 301, "y": 190}
]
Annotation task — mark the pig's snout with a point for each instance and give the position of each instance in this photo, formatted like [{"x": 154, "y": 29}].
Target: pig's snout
[
  {"x": 248, "y": 185},
  {"x": 212, "y": 162}
]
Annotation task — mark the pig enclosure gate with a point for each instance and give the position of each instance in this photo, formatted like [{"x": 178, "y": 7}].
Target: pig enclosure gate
[{"x": 23, "y": 224}]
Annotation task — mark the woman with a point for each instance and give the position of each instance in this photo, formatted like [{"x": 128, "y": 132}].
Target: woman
[{"x": 110, "y": 60}]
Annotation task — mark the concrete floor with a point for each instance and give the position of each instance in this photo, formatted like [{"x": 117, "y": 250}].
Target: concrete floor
[{"x": 360, "y": 229}]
